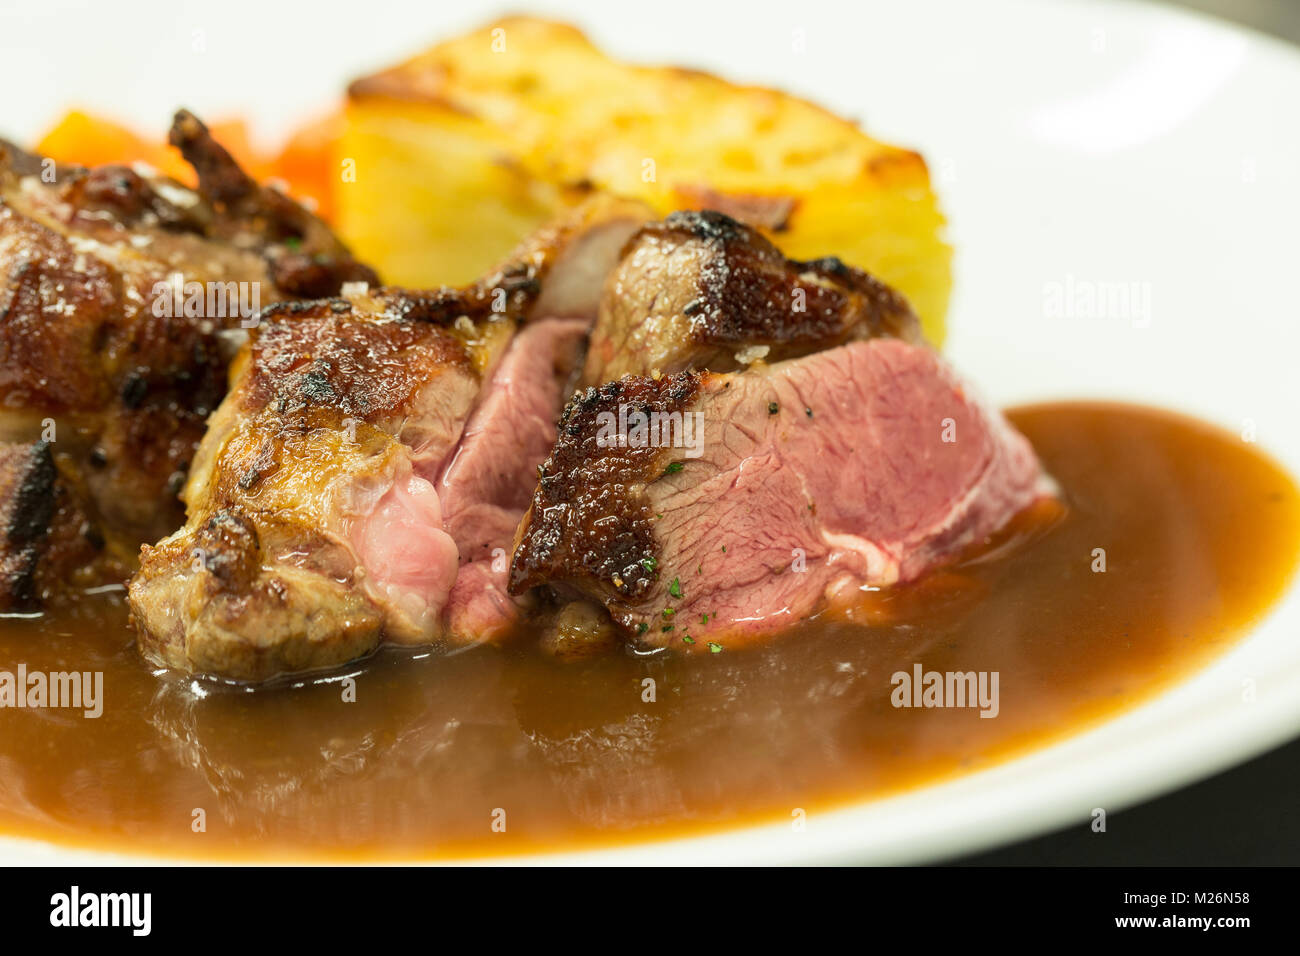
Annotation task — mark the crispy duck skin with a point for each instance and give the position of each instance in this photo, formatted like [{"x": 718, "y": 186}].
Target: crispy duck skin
[
  {"x": 360, "y": 466},
  {"x": 700, "y": 290},
  {"x": 99, "y": 356}
]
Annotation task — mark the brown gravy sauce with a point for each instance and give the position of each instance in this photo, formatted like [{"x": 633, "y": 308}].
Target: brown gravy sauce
[{"x": 1201, "y": 534}]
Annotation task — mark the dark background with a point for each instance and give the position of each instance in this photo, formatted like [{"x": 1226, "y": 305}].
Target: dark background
[{"x": 1248, "y": 816}]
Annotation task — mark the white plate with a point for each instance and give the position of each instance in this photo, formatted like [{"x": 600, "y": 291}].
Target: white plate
[{"x": 1102, "y": 143}]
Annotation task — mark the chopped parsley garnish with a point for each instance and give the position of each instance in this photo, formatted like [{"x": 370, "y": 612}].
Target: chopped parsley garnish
[
  {"x": 669, "y": 612},
  {"x": 687, "y": 639},
  {"x": 666, "y": 628},
  {"x": 649, "y": 564},
  {"x": 675, "y": 589},
  {"x": 673, "y": 468},
  {"x": 715, "y": 647},
  {"x": 705, "y": 619},
  {"x": 642, "y": 627}
]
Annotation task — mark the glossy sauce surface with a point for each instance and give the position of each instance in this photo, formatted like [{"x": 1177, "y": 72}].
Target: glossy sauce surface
[{"x": 1200, "y": 533}]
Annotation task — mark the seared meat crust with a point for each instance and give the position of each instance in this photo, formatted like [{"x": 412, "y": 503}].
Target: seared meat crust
[
  {"x": 700, "y": 290},
  {"x": 102, "y": 348},
  {"x": 590, "y": 520},
  {"x": 47, "y": 532}
]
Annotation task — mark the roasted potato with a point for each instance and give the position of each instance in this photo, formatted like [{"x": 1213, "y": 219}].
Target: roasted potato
[{"x": 448, "y": 159}]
